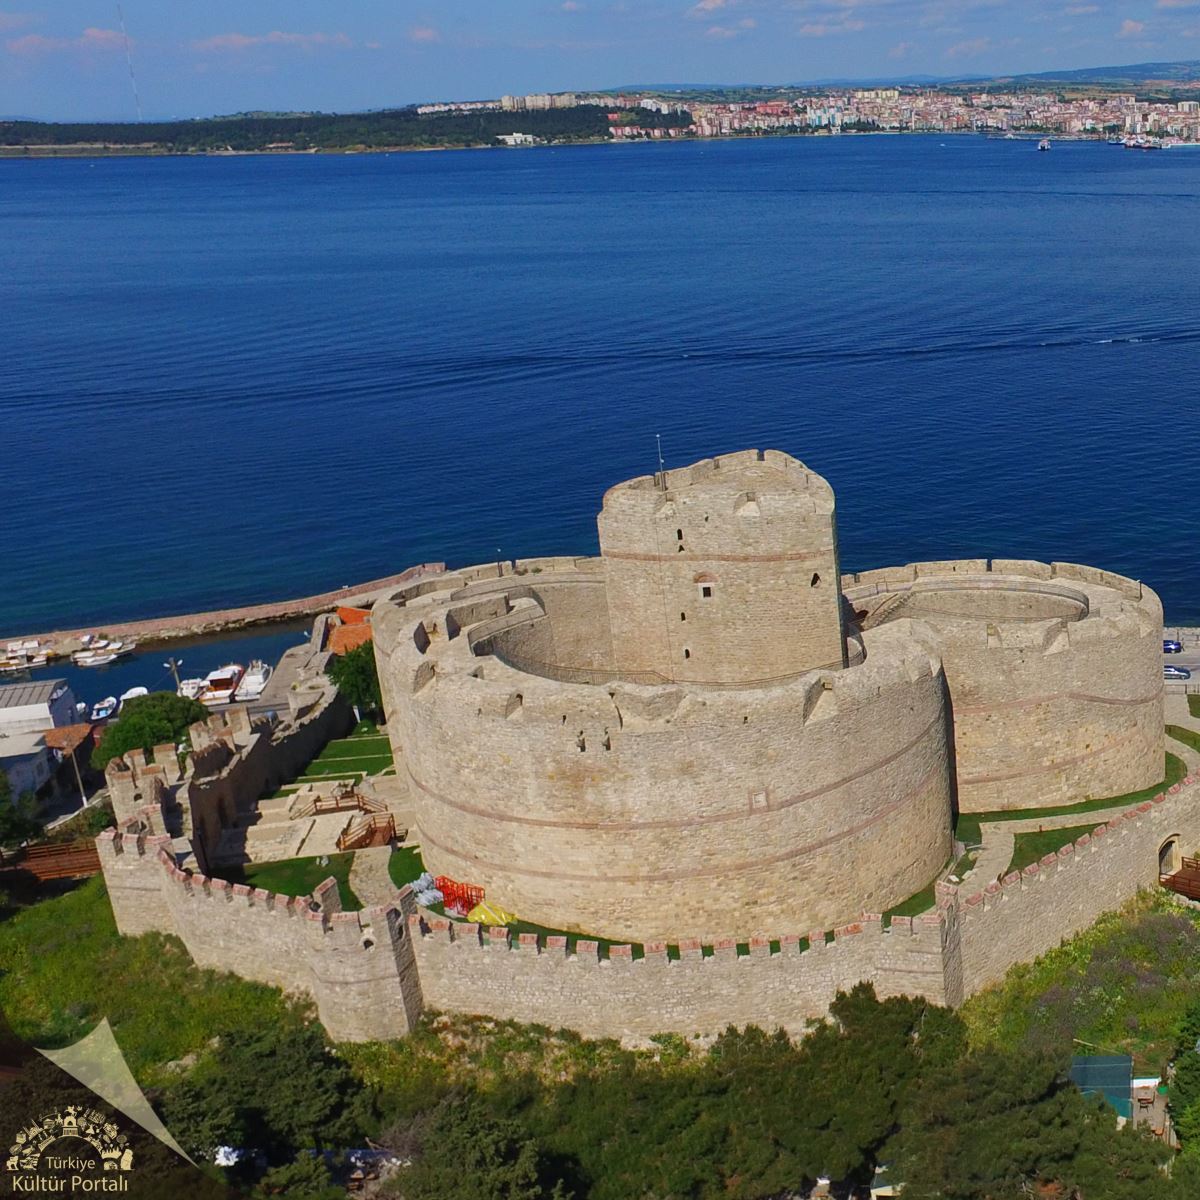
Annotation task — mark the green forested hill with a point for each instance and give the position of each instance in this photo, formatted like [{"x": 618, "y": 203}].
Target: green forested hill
[{"x": 403, "y": 127}]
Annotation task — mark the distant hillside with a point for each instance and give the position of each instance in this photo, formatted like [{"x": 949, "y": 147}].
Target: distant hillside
[
  {"x": 399, "y": 128},
  {"x": 1133, "y": 73},
  {"x": 1129, "y": 75}
]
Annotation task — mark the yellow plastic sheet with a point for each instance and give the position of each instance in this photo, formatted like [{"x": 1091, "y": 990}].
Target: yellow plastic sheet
[{"x": 489, "y": 914}]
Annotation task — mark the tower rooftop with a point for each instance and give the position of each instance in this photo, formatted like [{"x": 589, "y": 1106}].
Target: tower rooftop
[{"x": 743, "y": 476}]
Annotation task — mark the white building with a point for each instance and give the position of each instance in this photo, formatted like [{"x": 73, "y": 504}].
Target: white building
[
  {"x": 26, "y": 760},
  {"x": 43, "y": 704}
]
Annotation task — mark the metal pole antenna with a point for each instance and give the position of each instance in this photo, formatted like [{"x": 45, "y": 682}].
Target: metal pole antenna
[{"x": 662, "y": 470}]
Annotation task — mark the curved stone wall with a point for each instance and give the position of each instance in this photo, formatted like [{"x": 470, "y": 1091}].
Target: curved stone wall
[
  {"x": 660, "y": 812},
  {"x": 1054, "y": 672}
]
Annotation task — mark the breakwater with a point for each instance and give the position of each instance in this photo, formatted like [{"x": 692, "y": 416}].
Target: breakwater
[{"x": 188, "y": 625}]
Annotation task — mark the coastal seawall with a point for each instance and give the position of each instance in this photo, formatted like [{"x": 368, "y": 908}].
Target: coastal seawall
[{"x": 165, "y": 629}]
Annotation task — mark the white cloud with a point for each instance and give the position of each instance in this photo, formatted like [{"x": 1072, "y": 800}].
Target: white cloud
[
  {"x": 1131, "y": 29},
  {"x": 705, "y": 8},
  {"x": 818, "y": 29},
  {"x": 971, "y": 48},
  {"x": 91, "y": 39},
  {"x": 1177, "y": 3},
  {"x": 900, "y": 50},
  {"x": 237, "y": 42},
  {"x": 572, "y": 6},
  {"x": 424, "y": 33},
  {"x": 1081, "y": 10},
  {"x": 725, "y": 32}
]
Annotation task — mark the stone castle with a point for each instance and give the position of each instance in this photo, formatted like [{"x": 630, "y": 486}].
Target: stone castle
[
  {"x": 709, "y": 731},
  {"x": 711, "y": 743}
]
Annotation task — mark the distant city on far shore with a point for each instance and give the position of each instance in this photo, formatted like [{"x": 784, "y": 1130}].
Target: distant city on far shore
[{"x": 1133, "y": 109}]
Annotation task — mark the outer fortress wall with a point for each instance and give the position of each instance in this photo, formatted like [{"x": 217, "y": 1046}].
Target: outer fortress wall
[
  {"x": 723, "y": 572},
  {"x": 372, "y": 973},
  {"x": 358, "y": 967},
  {"x": 662, "y": 812},
  {"x": 707, "y": 988},
  {"x": 1054, "y": 672}
]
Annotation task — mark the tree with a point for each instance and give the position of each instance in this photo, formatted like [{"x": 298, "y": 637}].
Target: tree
[
  {"x": 277, "y": 1090},
  {"x": 997, "y": 1126},
  {"x": 357, "y": 678},
  {"x": 19, "y": 816},
  {"x": 458, "y": 1149},
  {"x": 146, "y": 722},
  {"x": 306, "y": 1177}
]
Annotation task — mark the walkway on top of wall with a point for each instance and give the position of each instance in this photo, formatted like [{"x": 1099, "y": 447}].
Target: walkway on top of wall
[
  {"x": 999, "y": 837},
  {"x": 369, "y": 878}
]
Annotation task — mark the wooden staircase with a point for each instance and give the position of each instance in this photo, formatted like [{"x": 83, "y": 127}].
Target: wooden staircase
[{"x": 368, "y": 829}]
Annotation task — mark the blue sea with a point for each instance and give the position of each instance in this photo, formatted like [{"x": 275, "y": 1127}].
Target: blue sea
[{"x": 227, "y": 380}]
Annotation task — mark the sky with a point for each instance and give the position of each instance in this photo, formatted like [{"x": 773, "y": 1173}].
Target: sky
[{"x": 67, "y": 59}]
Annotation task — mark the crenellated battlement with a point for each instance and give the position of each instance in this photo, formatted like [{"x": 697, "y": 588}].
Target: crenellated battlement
[{"x": 435, "y": 929}]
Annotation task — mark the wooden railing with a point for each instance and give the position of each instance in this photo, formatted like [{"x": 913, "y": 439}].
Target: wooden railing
[
  {"x": 371, "y": 829},
  {"x": 66, "y": 860},
  {"x": 1185, "y": 881},
  {"x": 346, "y": 800}
]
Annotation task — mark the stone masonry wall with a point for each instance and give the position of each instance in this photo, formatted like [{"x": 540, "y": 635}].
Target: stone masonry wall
[
  {"x": 464, "y": 968},
  {"x": 1054, "y": 672},
  {"x": 728, "y": 575},
  {"x": 358, "y": 967},
  {"x": 1032, "y": 911},
  {"x": 646, "y": 813},
  {"x": 264, "y": 757},
  {"x": 373, "y": 973}
]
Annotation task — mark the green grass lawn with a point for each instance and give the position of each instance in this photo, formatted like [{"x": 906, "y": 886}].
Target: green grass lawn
[
  {"x": 298, "y": 877},
  {"x": 1189, "y": 737},
  {"x": 966, "y": 829},
  {"x": 64, "y": 967},
  {"x": 364, "y": 752},
  {"x": 1194, "y": 705},
  {"x": 1032, "y": 847},
  {"x": 405, "y": 865}
]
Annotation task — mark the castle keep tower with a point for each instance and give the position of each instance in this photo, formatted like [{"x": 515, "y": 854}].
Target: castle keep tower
[{"x": 723, "y": 573}]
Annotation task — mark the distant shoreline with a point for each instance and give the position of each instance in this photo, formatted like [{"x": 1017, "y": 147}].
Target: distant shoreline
[{"x": 99, "y": 150}]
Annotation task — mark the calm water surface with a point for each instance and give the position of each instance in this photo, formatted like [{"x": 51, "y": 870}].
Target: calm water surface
[{"x": 227, "y": 380}]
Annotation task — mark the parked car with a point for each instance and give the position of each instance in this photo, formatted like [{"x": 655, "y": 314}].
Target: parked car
[
  {"x": 1170, "y": 646},
  {"x": 1170, "y": 672}
]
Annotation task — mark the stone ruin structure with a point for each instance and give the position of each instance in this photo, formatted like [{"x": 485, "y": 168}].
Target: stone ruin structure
[
  {"x": 710, "y": 745},
  {"x": 206, "y": 801}
]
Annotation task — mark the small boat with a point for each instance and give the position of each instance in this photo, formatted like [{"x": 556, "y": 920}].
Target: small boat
[
  {"x": 190, "y": 688},
  {"x": 254, "y": 682},
  {"x": 100, "y": 653},
  {"x": 1044, "y": 144},
  {"x": 220, "y": 685},
  {"x": 132, "y": 694},
  {"x": 105, "y": 708},
  {"x": 93, "y": 658}
]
